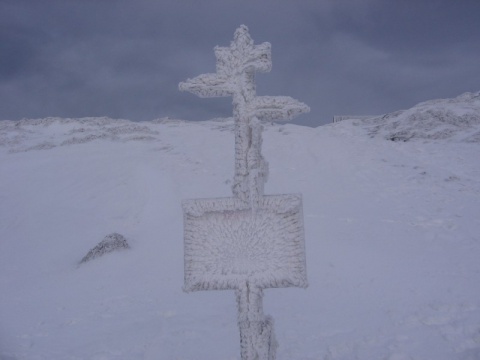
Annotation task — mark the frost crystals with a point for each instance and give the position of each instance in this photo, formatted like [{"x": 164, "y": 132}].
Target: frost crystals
[{"x": 251, "y": 241}]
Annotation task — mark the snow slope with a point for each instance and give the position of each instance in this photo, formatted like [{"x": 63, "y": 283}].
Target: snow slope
[
  {"x": 392, "y": 239},
  {"x": 456, "y": 119}
]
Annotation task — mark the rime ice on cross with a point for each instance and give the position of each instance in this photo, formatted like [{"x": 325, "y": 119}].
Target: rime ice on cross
[
  {"x": 235, "y": 76},
  {"x": 251, "y": 241}
]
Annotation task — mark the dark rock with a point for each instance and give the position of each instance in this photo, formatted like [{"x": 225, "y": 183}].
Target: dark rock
[{"x": 111, "y": 242}]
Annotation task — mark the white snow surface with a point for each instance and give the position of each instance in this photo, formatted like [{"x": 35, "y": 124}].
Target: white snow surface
[{"x": 392, "y": 234}]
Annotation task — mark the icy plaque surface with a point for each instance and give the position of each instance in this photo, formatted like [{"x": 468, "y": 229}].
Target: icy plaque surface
[{"x": 228, "y": 244}]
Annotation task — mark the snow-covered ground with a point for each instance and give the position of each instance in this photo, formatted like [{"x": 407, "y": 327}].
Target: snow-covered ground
[{"x": 392, "y": 237}]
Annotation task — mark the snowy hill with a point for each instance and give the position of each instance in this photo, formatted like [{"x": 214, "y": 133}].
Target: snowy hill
[
  {"x": 392, "y": 236},
  {"x": 455, "y": 119}
]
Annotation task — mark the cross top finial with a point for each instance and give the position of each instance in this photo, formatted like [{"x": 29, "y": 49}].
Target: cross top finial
[
  {"x": 242, "y": 55},
  {"x": 242, "y": 35}
]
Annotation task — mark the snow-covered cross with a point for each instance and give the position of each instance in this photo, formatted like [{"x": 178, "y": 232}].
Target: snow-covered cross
[
  {"x": 250, "y": 241},
  {"x": 235, "y": 76}
]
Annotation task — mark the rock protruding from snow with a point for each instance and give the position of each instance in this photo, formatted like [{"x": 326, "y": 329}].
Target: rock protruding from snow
[
  {"x": 110, "y": 243},
  {"x": 456, "y": 119}
]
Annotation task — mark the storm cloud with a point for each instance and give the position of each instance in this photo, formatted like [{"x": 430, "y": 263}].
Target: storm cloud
[{"x": 125, "y": 58}]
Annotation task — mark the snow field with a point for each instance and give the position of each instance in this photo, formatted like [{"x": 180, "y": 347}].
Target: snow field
[{"x": 391, "y": 240}]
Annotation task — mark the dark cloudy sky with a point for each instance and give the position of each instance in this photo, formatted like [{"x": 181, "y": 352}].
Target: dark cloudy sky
[{"x": 125, "y": 58}]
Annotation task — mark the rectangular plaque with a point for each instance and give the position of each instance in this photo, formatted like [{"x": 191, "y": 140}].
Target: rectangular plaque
[{"x": 228, "y": 244}]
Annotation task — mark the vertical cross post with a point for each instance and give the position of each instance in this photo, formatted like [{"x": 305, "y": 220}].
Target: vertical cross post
[
  {"x": 257, "y": 338},
  {"x": 235, "y": 76}
]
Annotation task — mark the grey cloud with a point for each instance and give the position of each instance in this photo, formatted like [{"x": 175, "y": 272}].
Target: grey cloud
[{"x": 124, "y": 58}]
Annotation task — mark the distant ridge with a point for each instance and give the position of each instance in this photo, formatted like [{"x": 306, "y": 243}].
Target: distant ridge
[
  {"x": 456, "y": 119},
  {"x": 338, "y": 118}
]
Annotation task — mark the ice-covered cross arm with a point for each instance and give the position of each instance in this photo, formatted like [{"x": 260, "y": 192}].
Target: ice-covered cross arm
[
  {"x": 208, "y": 85},
  {"x": 278, "y": 108}
]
